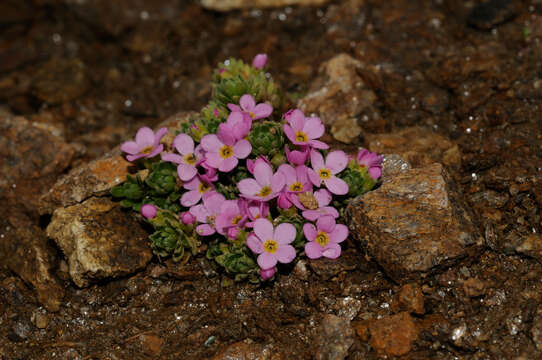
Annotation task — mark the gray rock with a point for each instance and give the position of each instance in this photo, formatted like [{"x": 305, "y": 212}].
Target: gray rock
[
  {"x": 414, "y": 223},
  {"x": 333, "y": 338},
  {"x": 99, "y": 240}
]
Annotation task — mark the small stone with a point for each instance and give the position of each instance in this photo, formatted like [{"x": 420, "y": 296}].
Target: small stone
[
  {"x": 333, "y": 338},
  {"x": 400, "y": 224},
  {"x": 328, "y": 268},
  {"x": 228, "y": 5},
  {"x": 474, "y": 287},
  {"x": 21, "y": 330},
  {"x": 418, "y": 146},
  {"x": 410, "y": 298},
  {"x": 40, "y": 320},
  {"x": 248, "y": 350},
  {"x": 339, "y": 96},
  {"x": 300, "y": 270},
  {"x": 393, "y": 335},
  {"x": 530, "y": 245},
  {"x": 392, "y": 165},
  {"x": 99, "y": 240},
  {"x": 151, "y": 344}
]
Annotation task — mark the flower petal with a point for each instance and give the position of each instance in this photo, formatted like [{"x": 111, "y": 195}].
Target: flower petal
[
  {"x": 145, "y": 137},
  {"x": 263, "y": 229},
  {"x": 247, "y": 102},
  {"x": 336, "y": 186},
  {"x": 242, "y": 149},
  {"x": 228, "y": 164},
  {"x": 288, "y": 172},
  {"x": 297, "y": 119},
  {"x": 249, "y": 187},
  {"x": 263, "y": 173},
  {"x": 290, "y": 133},
  {"x": 325, "y": 223},
  {"x": 200, "y": 212},
  {"x": 211, "y": 143},
  {"x": 132, "y": 158},
  {"x": 186, "y": 172},
  {"x": 310, "y": 231},
  {"x": 277, "y": 183},
  {"x": 131, "y": 147},
  {"x": 336, "y": 161},
  {"x": 285, "y": 233},
  {"x": 313, "y": 250},
  {"x": 285, "y": 254},
  {"x": 375, "y": 172},
  {"x": 317, "y": 144},
  {"x": 159, "y": 135},
  {"x": 267, "y": 260},
  {"x": 262, "y": 111},
  {"x": 174, "y": 158},
  {"x": 234, "y": 108},
  {"x": 205, "y": 230},
  {"x": 157, "y": 150},
  {"x": 317, "y": 160},
  {"x": 213, "y": 202},
  {"x": 311, "y": 215},
  {"x": 192, "y": 184},
  {"x": 339, "y": 234},
  {"x": 254, "y": 244},
  {"x": 184, "y": 144},
  {"x": 332, "y": 251},
  {"x": 323, "y": 197},
  {"x": 313, "y": 127},
  {"x": 314, "y": 177}
]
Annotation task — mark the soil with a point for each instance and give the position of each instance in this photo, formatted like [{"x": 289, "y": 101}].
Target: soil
[{"x": 97, "y": 70}]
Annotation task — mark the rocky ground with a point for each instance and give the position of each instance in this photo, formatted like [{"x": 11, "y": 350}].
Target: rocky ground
[{"x": 445, "y": 257}]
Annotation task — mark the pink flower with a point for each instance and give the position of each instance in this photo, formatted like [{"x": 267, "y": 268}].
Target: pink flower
[
  {"x": 324, "y": 198},
  {"x": 304, "y": 131},
  {"x": 146, "y": 144},
  {"x": 197, "y": 189},
  {"x": 272, "y": 244},
  {"x": 210, "y": 174},
  {"x": 324, "y": 239},
  {"x": 230, "y": 216},
  {"x": 249, "y": 107},
  {"x": 252, "y": 163},
  {"x": 223, "y": 154},
  {"x": 259, "y": 61},
  {"x": 267, "y": 273},
  {"x": 297, "y": 157},
  {"x": 188, "y": 160},
  {"x": 207, "y": 212},
  {"x": 254, "y": 210},
  {"x": 296, "y": 181},
  {"x": 372, "y": 161},
  {"x": 335, "y": 162},
  {"x": 265, "y": 186},
  {"x": 148, "y": 211},
  {"x": 237, "y": 125},
  {"x": 187, "y": 218}
]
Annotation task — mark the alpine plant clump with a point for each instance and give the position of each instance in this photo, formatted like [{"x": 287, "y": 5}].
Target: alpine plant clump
[{"x": 251, "y": 188}]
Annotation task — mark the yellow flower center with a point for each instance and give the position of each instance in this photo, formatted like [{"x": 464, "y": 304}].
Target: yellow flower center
[
  {"x": 203, "y": 187},
  {"x": 265, "y": 191},
  {"x": 190, "y": 159},
  {"x": 297, "y": 186},
  {"x": 252, "y": 115},
  {"x": 236, "y": 220},
  {"x": 147, "y": 150},
  {"x": 325, "y": 174},
  {"x": 300, "y": 136},
  {"x": 270, "y": 246},
  {"x": 210, "y": 220},
  {"x": 226, "y": 151},
  {"x": 322, "y": 239}
]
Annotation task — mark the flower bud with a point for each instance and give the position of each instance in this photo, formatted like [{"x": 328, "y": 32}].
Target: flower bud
[
  {"x": 148, "y": 211},
  {"x": 267, "y": 274},
  {"x": 187, "y": 218},
  {"x": 259, "y": 61}
]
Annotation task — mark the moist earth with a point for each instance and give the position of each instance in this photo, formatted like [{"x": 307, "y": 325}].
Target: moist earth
[{"x": 452, "y": 82}]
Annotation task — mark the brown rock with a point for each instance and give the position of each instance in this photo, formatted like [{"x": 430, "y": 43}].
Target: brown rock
[
  {"x": 418, "y": 146},
  {"x": 24, "y": 250},
  {"x": 32, "y": 159},
  {"x": 414, "y": 223},
  {"x": 99, "y": 240},
  {"x": 536, "y": 331},
  {"x": 99, "y": 176},
  {"x": 474, "y": 287},
  {"x": 248, "y": 350},
  {"x": 531, "y": 245},
  {"x": 333, "y": 338},
  {"x": 339, "y": 96},
  {"x": 151, "y": 344},
  {"x": 228, "y": 5},
  {"x": 410, "y": 298},
  {"x": 393, "y": 335},
  {"x": 392, "y": 165}
]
